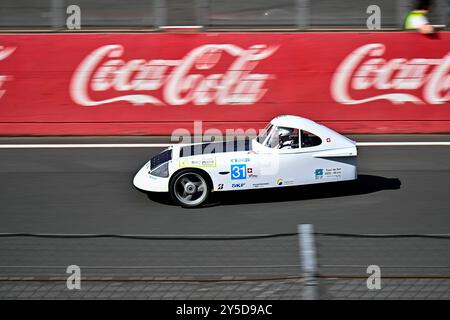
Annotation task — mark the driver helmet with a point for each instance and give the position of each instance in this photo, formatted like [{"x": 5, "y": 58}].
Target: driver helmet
[{"x": 284, "y": 134}]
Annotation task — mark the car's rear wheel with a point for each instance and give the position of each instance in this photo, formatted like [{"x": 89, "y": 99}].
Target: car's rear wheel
[{"x": 189, "y": 188}]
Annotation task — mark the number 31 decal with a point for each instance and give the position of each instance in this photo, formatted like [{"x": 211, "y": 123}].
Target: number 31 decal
[{"x": 238, "y": 171}]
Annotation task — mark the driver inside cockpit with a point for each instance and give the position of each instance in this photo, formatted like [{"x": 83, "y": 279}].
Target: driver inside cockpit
[{"x": 287, "y": 138}]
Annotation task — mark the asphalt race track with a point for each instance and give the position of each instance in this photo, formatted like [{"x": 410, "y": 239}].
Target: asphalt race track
[{"x": 400, "y": 190}]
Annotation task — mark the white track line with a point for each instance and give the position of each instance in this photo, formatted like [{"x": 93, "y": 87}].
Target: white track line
[
  {"x": 84, "y": 145},
  {"x": 165, "y": 145},
  {"x": 389, "y": 144}
]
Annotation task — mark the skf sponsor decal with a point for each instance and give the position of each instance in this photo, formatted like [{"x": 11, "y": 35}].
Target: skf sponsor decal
[
  {"x": 237, "y": 185},
  {"x": 205, "y": 162}
]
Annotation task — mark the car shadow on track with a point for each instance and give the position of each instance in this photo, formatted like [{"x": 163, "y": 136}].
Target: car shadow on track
[{"x": 363, "y": 185}]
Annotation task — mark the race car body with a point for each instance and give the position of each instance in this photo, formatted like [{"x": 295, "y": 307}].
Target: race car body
[{"x": 290, "y": 151}]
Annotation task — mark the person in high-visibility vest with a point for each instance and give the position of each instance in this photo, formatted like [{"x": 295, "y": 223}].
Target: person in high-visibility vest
[{"x": 417, "y": 18}]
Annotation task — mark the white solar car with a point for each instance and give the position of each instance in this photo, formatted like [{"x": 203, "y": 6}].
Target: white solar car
[{"x": 290, "y": 151}]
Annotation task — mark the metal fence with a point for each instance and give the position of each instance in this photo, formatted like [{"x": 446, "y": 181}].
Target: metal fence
[
  {"x": 297, "y": 265},
  {"x": 149, "y": 15}
]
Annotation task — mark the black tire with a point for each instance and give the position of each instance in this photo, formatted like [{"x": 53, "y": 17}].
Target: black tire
[{"x": 190, "y": 188}]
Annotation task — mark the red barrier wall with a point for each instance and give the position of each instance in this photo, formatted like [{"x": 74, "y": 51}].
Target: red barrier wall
[{"x": 108, "y": 84}]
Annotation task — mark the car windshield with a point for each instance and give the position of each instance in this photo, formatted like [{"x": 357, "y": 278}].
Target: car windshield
[
  {"x": 263, "y": 134},
  {"x": 280, "y": 137},
  {"x": 273, "y": 140}
]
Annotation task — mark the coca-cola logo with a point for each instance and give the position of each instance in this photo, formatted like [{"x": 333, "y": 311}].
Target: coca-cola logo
[
  {"x": 365, "y": 69},
  {"x": 193, "y": 79},
  {"x": 5, "y": 52}
]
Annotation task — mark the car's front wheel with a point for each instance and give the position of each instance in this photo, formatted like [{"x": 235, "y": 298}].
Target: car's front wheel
[{"x": 189, "y": 188}]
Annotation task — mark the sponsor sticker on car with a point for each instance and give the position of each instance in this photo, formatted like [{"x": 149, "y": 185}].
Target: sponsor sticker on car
[
  {"x": 285, "y": 182},
  {"x": 237, "y": 185},
  {"x": 260, "y": 184},
  {"x": 333, "y": 173},
  {"x": 318, "y": 174},
  {"x": 205, "y": 162},
  {"x": 328, "y": 173},
  {"x": 237, "y": 160}
]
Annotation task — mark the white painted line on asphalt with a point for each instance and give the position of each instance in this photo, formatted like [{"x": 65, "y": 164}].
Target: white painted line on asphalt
[
  {"x": 165, "y": 145},
  {"x": 84, "y": 145},
  {"x": 403, "y": 144}
]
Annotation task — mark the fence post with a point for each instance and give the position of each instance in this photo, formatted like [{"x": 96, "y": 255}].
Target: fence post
[
  {"x": 308, "y": 260},
  {"x": 159, "y": 13},
  {"x": 441, "y": 8},
  {"x": 303, "y": 14},
  {"x": 202, "y": 12},
  {"x": 58, "y": 14}
]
